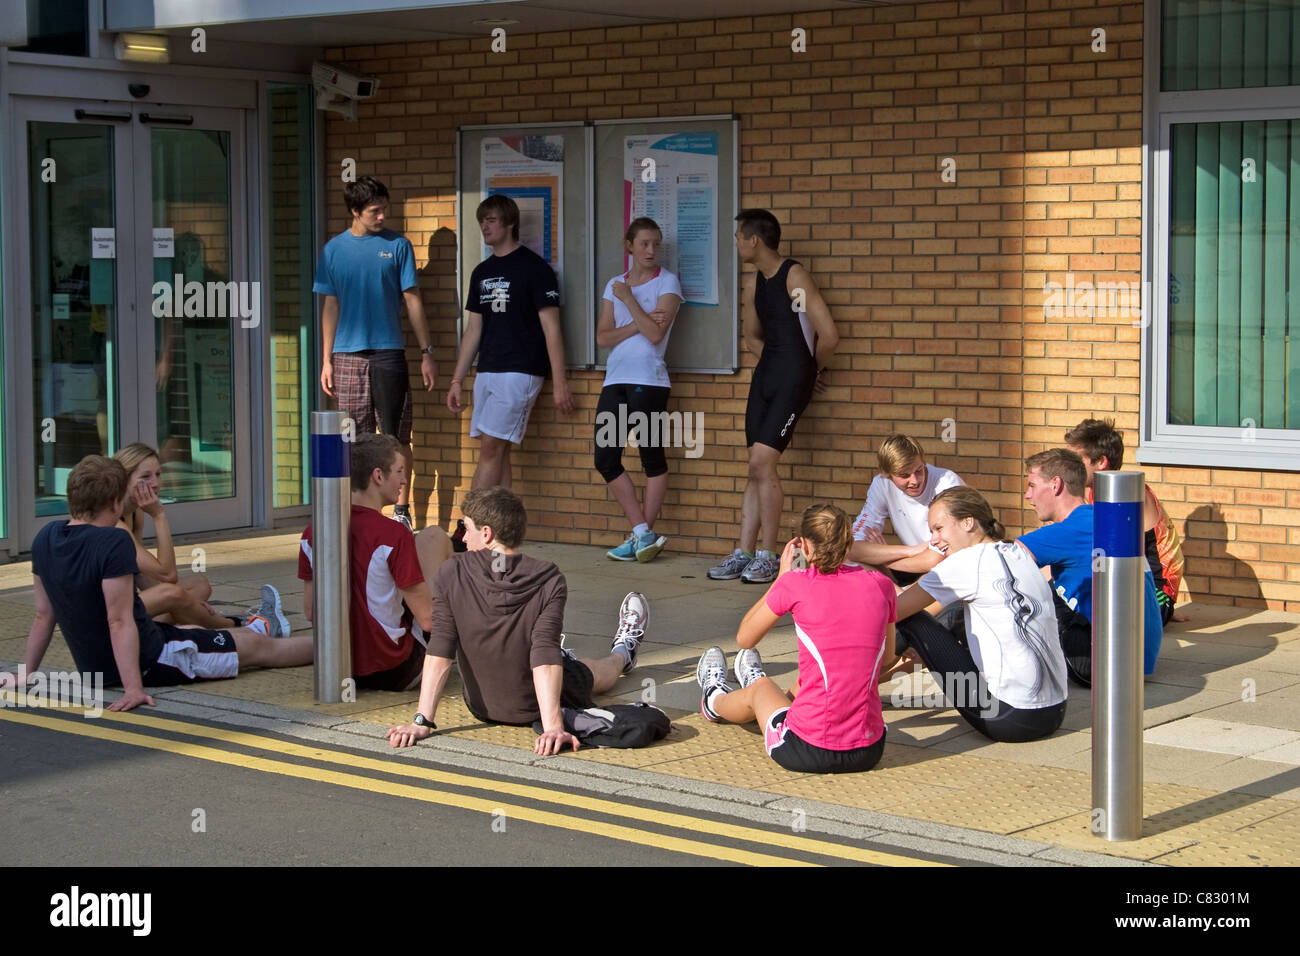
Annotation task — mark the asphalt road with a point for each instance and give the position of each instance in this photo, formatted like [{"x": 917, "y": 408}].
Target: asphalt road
[{"x": 143, "y": 790}]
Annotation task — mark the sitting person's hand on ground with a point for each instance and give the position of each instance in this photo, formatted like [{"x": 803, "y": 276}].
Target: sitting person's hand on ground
[
  {"x": 408, "y": 735},
  {"x": 552, "y": 742}
]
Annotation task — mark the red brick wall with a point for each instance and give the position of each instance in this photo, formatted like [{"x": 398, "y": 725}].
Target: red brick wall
[{"x": 936, "y": 287}]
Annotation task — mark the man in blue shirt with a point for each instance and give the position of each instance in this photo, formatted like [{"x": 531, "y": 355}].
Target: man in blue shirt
[
  {"x": 1056, "y": 483},
  {"x": 365, "y": 274}
]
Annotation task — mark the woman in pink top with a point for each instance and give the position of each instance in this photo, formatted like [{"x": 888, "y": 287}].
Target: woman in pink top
[{"x": 843, "y": 620}]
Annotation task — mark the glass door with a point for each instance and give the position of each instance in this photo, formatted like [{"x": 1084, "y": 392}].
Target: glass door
[{"x": 141, "y": 312}]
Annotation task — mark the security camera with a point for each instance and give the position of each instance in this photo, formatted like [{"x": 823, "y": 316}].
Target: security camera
[{"x": 338, "y": 90}]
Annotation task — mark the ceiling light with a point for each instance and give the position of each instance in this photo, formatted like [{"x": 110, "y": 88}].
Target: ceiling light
[{"x": 141, "y": 48}]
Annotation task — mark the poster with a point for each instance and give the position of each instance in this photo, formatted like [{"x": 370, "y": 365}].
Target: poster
[
  {"x": 530, "y": 170},
  {"x": 673, "y": 179}
]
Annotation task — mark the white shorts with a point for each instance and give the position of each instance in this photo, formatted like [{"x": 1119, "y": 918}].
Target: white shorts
[{"x": 502, "y": 404}]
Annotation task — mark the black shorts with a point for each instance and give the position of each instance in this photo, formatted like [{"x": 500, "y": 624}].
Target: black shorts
[
  {"x": 405, "y": 676},
  {"x": 641, "y": 409},
  {"x": 575, "y": 691},
  {"x": 190, "y": 654},
  {"x": 792, "y": 753},
  {"x": 778, "y": 394}
]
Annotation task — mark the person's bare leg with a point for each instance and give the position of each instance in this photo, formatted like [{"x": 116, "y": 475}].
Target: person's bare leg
[
  {"x": 257, "y": 650},
  {"x": 198, "y": 585},
  {"x": 432, "y": 547},
  {"x": 656, "y": 490},
  {"x": 605, "y": 672},
  {"x": 624, "y": 493},
  {"x": 181, "y": 607},
  {"x": 487, "y": 474},
  {"x": 771, "y": 497},
  {"x": 506, "y": 476},
  {"x": 750, "y": 516},
  {"x": 404, "y": 496},
  {"x": 759, "y": 701}
]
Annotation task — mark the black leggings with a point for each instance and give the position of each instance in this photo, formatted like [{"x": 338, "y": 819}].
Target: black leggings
[
  {"x": 949, "y": 662},
  {"x": 626, "y": 410},
  {"x": 1075, "y": 632}
]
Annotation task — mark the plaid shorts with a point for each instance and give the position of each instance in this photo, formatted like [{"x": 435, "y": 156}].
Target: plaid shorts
[{"x": 374, "y": 390}]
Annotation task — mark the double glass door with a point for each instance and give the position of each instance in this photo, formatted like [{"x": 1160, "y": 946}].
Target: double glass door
[{"x": 140, "y": 317}]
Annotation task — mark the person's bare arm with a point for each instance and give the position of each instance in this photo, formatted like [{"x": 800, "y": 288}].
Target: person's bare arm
[
  {"x": 883, "y": 555},
  {"x": 119, "y": 600},
  {"x": 163, "y": 567},
  {"x": 750, "y": 329},
  {"x": 828, "y": 339},
  {"x": 420, "y": 601},
  {"x": 550, "y": 319},
  {"x": 918, "y": 563},
  {"x": 548, "y": 680},
  {"x": 329, "y": 325},
  {"x": 309, "y": 601},
  {"x": 643, "y": 321},
  {"x": 432, "y": 682},
  {"x": 1150, "y": 512},
  {"x": 42, "y": 629},
  {"x": 913, "y": 599},
  {"x": 469, "y": 341},
  {"x": 415, "y": 310},
  {"x": 608, "y": 334}
]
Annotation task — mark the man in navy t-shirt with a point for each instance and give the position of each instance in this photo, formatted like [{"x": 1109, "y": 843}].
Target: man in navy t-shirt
[
  {"x": 83, "y": 579},
  {"x": 512, "y": 323},
  {"x": 365, "y": 274},
  {"x": 1056, "y": 483}
]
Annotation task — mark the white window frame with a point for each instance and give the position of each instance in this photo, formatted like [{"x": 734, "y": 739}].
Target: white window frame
[{"x": 1162, "y": 443}]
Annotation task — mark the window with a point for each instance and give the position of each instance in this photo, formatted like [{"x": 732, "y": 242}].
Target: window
[{"x": 1222, "y": 355}]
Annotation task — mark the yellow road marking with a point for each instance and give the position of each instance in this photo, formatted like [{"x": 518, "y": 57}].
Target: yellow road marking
[
  {"x": 789, "y": 841},
  {"x": 544, "y": 817}
]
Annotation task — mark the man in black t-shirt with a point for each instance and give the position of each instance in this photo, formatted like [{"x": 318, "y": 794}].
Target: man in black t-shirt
[
  {"x": 83, "y": 576},
  {"x": 513, "y": 325}
]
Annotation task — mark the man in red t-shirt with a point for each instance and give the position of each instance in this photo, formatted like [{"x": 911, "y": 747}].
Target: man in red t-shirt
[{"x": 390, "y": 605}]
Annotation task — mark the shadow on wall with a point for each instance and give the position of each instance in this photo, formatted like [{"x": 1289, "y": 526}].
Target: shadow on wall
[
  {"x": 443, "y": 443},
  {"x": 1214, "y": 576}
]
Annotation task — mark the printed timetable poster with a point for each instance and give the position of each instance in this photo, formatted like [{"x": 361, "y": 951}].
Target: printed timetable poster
[
  {"x": 530, "y": 170},
  {"x": 673, "y": 179}
]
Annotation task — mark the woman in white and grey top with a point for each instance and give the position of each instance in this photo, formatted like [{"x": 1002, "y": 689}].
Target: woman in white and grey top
[
  {"x": 1000, "y": 665},
  {"x": 636, "y": 318}
]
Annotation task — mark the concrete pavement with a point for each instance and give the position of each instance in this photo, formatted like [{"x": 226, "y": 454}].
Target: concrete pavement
[{"x": 1222, "y": 739}]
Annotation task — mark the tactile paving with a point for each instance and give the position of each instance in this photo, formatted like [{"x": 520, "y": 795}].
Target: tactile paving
[
  {"x": 16, "y": 621},
  {"x": 1004, "y": 812},
  {"x": 1259, "y": 851},
  {"x": 866, "y": 791},
  {"x": 741, "y": 767},
  {"x": 1074, "y": 833}
]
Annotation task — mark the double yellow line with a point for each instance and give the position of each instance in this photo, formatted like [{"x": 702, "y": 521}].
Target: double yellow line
[{"x": 401, "y": 768}]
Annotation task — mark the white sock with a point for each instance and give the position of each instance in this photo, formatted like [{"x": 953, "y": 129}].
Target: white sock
[
  {"x": 259, "y": 624},
  {"x": 761, "y": 553},
  {"x": 641, "y": 529},
  {"x": 712, "y": 696}
]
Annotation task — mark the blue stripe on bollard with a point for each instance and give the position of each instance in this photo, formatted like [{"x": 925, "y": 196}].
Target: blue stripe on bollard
[
  {"x": 1117, "y": 528},
  {"x": 330, "y": 457}
]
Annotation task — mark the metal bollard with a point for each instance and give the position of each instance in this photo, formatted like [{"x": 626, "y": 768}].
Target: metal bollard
[
  {"x": 331, "y": 513},
  {"x": 1117, "y": 622}
]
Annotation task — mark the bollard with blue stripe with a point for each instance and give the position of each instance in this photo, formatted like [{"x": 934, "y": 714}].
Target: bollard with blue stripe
[
  {"x": 1118, "y": 601},
  {"x": 331, "y": 513}
]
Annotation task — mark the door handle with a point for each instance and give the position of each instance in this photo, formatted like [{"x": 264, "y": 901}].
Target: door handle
[
  {"x": 163, "y": 118},
  {"x": 91, "y": 115}
]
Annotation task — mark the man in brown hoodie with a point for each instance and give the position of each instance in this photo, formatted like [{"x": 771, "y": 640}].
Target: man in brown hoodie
[{"x": 500, "y": 613}]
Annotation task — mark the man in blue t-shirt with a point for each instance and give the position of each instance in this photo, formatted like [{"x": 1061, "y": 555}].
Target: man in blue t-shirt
[
  {"x": 83, "y": 579},
  {"x": 365, "y": 274},
  {"x": 1056, "y": 481}
]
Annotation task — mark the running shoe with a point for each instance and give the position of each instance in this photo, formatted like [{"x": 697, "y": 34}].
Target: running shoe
[
  {"x": 565, "y": 651},
  {"x": 633, "y": 615},
  {"x": 273, "y": 611},
  {"x": 711, "y": 674},
  {"x": 762, "y": 570},
  {"x": 649, "y": 545},
  {"x": 625, "y": 551},
  {"x": 732, "y": 567},
  {"x": 749, "y": 667},
  {"x": 404, "y": 519}
]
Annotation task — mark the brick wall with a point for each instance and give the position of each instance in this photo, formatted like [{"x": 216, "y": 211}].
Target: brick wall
[{"x": 936, "y": 287}]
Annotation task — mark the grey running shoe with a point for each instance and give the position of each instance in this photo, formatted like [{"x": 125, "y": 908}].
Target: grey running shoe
[
  {"x": 711, "y": 674},
  {"x": 273, "y": 611},
  {"x": 633, "y": 615},
  {"x": 567, "y": 652},
  {"x": 749, "y": 667},
  {"x": 731, "y": 568},
  {"x": 762, "y": 570}
]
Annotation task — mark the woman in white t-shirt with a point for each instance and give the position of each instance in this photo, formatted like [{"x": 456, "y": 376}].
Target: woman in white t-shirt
[
  {"x": 1000, "y": 664},
  {"x": 636, "y": 317}
]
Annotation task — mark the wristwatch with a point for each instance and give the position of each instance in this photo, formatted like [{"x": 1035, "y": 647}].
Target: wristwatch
[
  {"x": 427, "y": 350},
  {"x": 421, "y": 721}
]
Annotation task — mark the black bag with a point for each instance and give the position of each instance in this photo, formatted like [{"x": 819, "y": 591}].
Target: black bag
[{"x": 618, "y": 725}]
